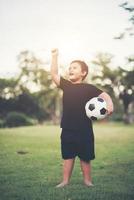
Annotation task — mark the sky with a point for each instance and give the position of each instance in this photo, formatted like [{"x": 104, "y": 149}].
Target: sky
[{"x": 79, "y": 29}]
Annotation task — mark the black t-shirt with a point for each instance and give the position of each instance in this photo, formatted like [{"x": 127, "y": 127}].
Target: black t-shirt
[{"x": 75, "y": 96}]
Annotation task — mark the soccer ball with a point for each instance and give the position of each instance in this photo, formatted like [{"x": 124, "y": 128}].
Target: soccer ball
[{"x": 96, "y": 108}]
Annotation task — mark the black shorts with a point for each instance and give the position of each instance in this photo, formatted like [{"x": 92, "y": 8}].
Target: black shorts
[{"x": 77, "y": 143}]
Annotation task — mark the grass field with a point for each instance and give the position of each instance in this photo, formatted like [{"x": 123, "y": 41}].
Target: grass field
[{"x": 33, "y": 176}]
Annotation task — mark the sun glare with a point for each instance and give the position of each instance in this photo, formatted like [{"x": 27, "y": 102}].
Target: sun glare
[{"x": 70, "y": 48}]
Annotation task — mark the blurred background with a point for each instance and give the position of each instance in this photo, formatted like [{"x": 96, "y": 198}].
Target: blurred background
[{"x": 99, "y": 32}]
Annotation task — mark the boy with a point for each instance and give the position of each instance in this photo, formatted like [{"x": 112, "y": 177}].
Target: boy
[{"x": 77, "y": 137}]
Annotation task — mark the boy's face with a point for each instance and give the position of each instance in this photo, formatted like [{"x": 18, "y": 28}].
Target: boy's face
[{"x": 75, "y": 72}]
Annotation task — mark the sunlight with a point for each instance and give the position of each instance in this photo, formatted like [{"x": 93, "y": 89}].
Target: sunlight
[{"x": 70, "y": 48}]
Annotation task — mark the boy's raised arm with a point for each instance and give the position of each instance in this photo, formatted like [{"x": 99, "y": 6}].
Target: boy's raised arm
[{"x": 54, "y": 67}]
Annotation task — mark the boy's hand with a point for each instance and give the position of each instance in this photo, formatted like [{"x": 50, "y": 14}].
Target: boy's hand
[
  {"x": 54, "y": 52},
  {"x": 109, "y": 110},
  {"x": 109, "y": 102}
]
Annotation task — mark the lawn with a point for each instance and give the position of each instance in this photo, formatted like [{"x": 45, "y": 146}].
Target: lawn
[{"x": 30, "y": 165}]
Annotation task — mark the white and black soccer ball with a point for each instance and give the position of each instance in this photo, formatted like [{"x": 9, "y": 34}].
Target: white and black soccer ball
[{"x": 96, "y": 108}]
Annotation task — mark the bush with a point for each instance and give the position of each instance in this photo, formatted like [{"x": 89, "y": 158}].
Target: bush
[
  {"x": 118, "y": 117},
  {"x": 2, "y": 123},
  {"x": 15, "y": 119}
]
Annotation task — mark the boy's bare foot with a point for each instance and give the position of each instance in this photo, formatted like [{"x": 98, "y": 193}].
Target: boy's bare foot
[
  {"x": 88, "y": 184},
  {"x": 62, "y": 184}
]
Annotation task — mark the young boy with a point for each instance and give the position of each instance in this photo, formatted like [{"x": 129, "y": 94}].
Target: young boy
[{"x": 77, "y": 138}]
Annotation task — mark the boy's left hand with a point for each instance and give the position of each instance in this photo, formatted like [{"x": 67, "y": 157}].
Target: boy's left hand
[
  {"x": 109, "y": 111},
  {"x": 109, "y": 102}
]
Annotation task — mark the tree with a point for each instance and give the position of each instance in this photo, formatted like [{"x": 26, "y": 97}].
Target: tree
[
  {"x": 105, "y": 75},
  {"x": 129, "y": 7},
  {"x": 127, "y": 95},
  {"x": 114, "y": 80},
  {"x": 33, "y": 74},
  {"x": 8, "y": 87},
  {"x": 31, "y": 92}
]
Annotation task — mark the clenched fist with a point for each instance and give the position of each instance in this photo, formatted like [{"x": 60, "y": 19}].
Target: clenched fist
[{"x": 54, "y": 52}]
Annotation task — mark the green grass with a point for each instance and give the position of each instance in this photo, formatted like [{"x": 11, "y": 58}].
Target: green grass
[{"x": 33, "y": 176}]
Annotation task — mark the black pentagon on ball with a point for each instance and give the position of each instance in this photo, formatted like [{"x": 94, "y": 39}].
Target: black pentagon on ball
[
  {"x": 100, "y": 99},
  {"x": 103, "y": 111},
  {"x": 91, "y": 107},
  {"x": 93, "y": 118}
]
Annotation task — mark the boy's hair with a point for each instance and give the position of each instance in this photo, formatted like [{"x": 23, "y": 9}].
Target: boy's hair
[{"x": 84, "y": 66}]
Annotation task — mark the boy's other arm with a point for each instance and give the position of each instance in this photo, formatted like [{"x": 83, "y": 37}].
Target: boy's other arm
[
  {"x": 54, "y": 67},
  {"x": 107, "y": 98}
]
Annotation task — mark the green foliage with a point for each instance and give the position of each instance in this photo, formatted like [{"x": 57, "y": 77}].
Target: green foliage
[
  {"x": 105, "y": 77},
  {"x": 32, "y": 72},
  {"x": 128, "y": 6},
  {"x": 113, "y": 80},
  {"x": 127, "y": 78},
  {"x": 31, "y": 92},
  {"x": 24, "y": 103},
  {"x": 15, "y": 119},
  {"x": 28, "y": 104},
  {"x": 118, "y": 117},
  {"x": 8, "y": 87},
  {"x": 2, "y": 123}
]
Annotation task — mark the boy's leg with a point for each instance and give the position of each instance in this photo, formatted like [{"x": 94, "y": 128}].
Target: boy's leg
[
  {"x": 86, "y": 169},
  {"x": 67, "y": 171}
]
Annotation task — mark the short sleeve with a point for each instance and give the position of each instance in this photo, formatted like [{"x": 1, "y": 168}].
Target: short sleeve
[
  {"x": 64, "y": 83},
  {"x": 95, "y": 91}
]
